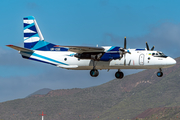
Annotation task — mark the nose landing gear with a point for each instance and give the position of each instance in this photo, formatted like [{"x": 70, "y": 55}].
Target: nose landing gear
[
  {"x": 119, "y": 74},
  {"x": 160, "y": 73}
]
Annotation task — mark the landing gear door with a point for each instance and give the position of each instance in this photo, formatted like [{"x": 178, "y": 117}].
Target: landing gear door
[{"x": 141, "y": 59}]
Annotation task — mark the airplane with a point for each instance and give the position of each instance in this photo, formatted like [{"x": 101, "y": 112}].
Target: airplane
[{"x": 89, "y": 58}]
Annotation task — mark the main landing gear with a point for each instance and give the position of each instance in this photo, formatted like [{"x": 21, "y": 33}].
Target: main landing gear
[
  {"x": 94, "y": 72},
  {"x": 119, "y": 74},
  {"x": 160, "y": 73}
]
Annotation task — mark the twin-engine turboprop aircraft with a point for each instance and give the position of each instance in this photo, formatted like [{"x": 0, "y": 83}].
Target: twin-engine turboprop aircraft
[{"x": 89, "y": 58}]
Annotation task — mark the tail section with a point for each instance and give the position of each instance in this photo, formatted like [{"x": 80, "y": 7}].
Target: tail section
[
  {"x": 33, "y": 38},
  {"x": 32, "y": 33}
]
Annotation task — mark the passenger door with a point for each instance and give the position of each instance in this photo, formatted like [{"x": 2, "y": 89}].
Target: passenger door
[{"x": 141, "y": 59}]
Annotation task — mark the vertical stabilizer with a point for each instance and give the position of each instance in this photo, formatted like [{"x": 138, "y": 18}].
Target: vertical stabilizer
[
  {"x": 32, "y": 33},
  {"x": 33, "y": 38}
]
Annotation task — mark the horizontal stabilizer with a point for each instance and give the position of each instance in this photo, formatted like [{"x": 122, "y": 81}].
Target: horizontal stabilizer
[{"x": 19, "y": 48}]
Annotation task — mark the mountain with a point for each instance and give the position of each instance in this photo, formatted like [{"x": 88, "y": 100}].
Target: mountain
[
  {"x": 117, "y": 99},
  {"x": 40, "y": 92}
]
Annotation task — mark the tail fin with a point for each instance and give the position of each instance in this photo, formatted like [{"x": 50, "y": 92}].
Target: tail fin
[
  {"x": 33, "y": 38},
  {"x": 32, "y": 33}
]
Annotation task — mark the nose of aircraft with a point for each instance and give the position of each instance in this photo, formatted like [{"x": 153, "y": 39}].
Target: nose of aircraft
[{"x": 170, "y": 61}]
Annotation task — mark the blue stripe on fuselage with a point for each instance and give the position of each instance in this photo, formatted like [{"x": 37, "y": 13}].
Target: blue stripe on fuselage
[
  {"x": 42, "y": 61},
  {"x": 140, "y": 49},
  {"x": 49, "y": 59}
]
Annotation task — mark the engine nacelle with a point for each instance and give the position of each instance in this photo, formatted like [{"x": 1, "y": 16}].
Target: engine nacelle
[
  {"x": 94, "y": 56},
  {"x": 110, "y": 56}
]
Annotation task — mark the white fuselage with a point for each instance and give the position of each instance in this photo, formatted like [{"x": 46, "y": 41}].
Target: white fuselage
[{"x": 141, "y": 59}]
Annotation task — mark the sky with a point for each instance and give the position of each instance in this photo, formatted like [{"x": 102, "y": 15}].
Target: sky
[{"x": 81, "y": 22}]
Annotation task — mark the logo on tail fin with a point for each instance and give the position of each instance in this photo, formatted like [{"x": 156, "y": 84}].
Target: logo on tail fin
[
  {"x": 32, "y": 33},
  {"x": 33, "y": 38}
]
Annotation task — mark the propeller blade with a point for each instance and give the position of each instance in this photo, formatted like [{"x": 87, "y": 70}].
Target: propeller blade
[
  {"x": 121, "y": 49},
  {"x": 124, "y": 59},
  {"x": 152, "y": 48},
  {"x": 147, "y": 46},
  {"x": 124, "y": 42}
]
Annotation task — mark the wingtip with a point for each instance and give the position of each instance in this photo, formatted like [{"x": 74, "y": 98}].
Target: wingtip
[{"x": 9, "y": 45}]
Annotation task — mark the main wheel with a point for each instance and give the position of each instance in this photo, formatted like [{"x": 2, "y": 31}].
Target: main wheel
[
  {"x": 94, "y": 72},
  {"x": 119, "y": 75},
  {"x": 159, "y": 74}
]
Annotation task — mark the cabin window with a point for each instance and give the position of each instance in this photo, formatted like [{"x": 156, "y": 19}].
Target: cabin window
[
  {"x": 78, "y": 59},
  {"x": 153, "y": 54},
  {"x": 65, "y": 59}
]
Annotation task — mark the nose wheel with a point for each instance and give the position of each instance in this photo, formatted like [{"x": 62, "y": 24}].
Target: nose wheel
[
  {"x": 160, "y": 73},
  {"x": 119, "y": 74}
]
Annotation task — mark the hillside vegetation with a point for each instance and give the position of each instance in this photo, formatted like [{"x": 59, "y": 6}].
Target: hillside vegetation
[
  {"x": 165, "y": 113},
  {"x": 151, "y": 92},
  {"x": 117, "y": 99}
]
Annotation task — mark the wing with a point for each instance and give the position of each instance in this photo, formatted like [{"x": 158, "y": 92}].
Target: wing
[
  {"x": 19, "y": 48},
  {"x": 82, "y": 49}
]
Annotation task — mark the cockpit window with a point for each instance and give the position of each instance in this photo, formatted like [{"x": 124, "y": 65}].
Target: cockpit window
[
  {"x": 159, "y": 54},
  {"x": 162, "y": 54}
]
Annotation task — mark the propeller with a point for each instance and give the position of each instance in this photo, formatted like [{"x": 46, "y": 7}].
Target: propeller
[
  {"x": 147, "y": 46},
  {"x": 124, "y": 51}
]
